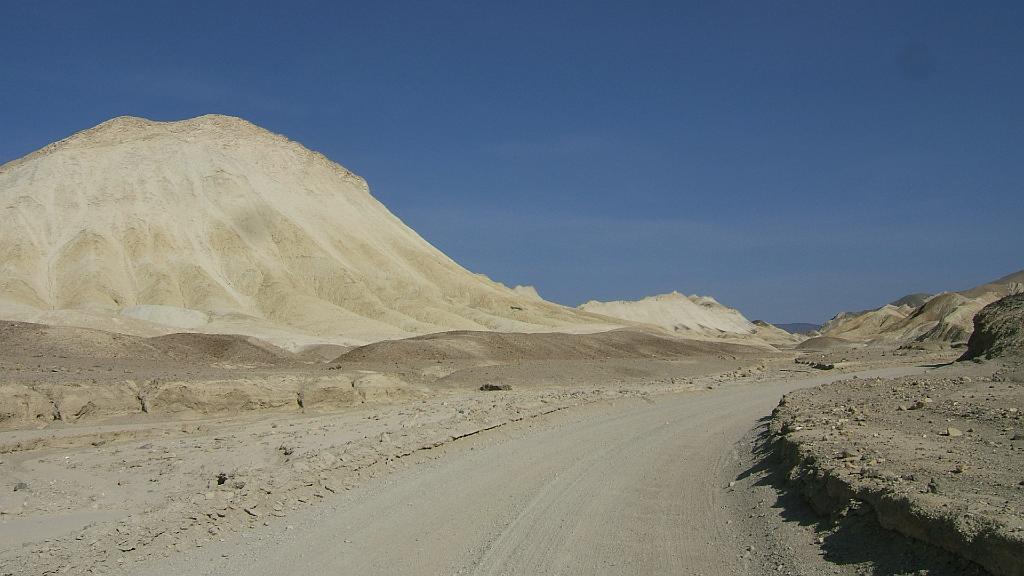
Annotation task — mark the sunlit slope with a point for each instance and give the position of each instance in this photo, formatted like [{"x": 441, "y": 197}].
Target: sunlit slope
[
  {"x": 947, "y": 317},
  {"x": 214, "y": 224}
]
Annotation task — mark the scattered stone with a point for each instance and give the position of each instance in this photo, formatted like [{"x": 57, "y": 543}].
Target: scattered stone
[
  {"x": 495, "y": 387},
  {"x": 920, "y": 403}
]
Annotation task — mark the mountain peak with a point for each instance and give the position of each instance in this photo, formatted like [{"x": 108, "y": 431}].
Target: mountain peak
[
  {"x": 214, "y": 217},
  {"x": 125, "y": 128}
]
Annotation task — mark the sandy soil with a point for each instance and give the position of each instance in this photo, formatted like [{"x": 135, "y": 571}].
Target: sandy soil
[
  {"x": 106, "y": 491},
  {"x": 125, "y": 445},
  {"x": 74, "y": 375},
  {"x": 140, "y": 496},
  {"x": 188, "y": 452}
]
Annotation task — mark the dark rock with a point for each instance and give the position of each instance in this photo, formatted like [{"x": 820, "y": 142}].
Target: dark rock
[{"x": 998, "y": 330}]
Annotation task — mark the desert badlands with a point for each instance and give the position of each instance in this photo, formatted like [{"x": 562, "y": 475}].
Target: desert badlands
[{"x": 219, "y": 354}]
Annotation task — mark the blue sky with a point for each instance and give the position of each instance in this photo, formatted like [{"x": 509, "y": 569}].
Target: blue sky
[{"x": 790, "y": 159}]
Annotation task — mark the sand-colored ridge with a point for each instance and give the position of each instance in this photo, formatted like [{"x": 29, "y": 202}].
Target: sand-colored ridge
[
  {"x": 691, "y": 317},
  {"x": 213, "y": 224},
  {"x": 946, "y": 317},
  {"x": 28, "y": 340},
  {"x": 677, "y": 313},
  {"x": 498, "y": 347}
]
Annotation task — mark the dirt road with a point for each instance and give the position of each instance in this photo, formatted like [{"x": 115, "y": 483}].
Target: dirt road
[{"x": 630, "y": 487}]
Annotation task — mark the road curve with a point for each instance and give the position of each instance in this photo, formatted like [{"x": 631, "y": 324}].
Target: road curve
[{"x": 632, "y": 487}]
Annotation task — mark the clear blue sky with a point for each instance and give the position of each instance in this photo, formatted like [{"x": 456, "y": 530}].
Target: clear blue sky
[{"x": 791, "y": 159}]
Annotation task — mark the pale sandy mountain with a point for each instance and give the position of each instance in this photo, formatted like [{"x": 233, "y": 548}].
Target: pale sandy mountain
[
  {"x": 677, "y": 313},
  {"x": 690, "y": 316},
  {"x": 527, "y": 292},
  {"x": 946, "y": 317},
  {"x": 216, "y": 225}
]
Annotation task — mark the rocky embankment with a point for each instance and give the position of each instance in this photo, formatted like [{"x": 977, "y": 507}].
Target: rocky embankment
[
  {"x": 936, "y": 458},
  {"x": 28, "y": 405},
  {"x": 998, "y": 330}
]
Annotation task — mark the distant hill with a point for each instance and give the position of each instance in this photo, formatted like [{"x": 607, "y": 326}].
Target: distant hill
[
  {"x": 946, "y": 317},
  {"x": 914, "y": 300},
  {"x": 690, "y": 316},
  {"x": 799, "y": 327}
]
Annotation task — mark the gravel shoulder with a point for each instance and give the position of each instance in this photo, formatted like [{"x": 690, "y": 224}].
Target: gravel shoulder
[{"x": 936, "y": 457}]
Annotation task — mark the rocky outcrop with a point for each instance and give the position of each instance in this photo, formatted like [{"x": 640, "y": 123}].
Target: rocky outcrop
[
  {"x": 998, "y": 330},
  {"x": 930, "y": 457}
]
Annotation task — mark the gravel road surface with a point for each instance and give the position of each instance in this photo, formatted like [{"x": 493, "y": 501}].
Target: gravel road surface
[{"x": 625, "y": 487}]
